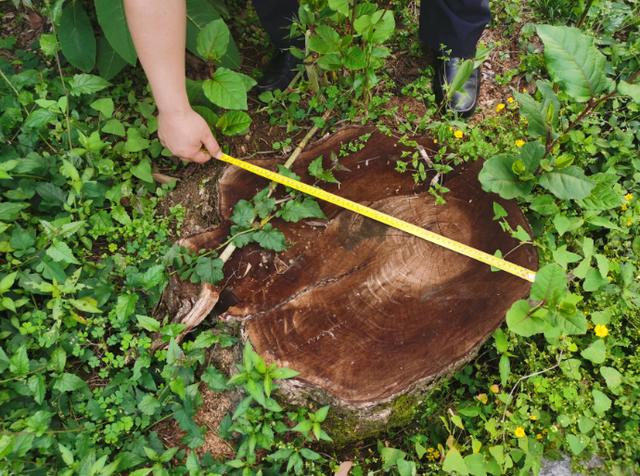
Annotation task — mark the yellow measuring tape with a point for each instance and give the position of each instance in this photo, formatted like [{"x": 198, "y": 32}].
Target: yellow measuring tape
[{"x": 386, "y": 219}]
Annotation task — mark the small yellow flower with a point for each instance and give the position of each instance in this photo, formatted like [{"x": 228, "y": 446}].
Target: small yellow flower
[
  {"x": 520, "y": 143},
  {"x": 510, "y": 100},
  {"x": 520, "y": 432},
  {"x": 482, "y": 398},
  {"x": 524, "y": 90},
  {"x": 544, "y": 432},
  {"x": 435, "y": 141},
  {"x": 539, "y": 436},
  {"x": 458, "y": 134},
  {"x": 624, "y": 207},
  {"x": 533, "y": 417},
  {"x": 500, "y": 107},
  {"x": 451, "y": 128},
  {"x": 494, "y": 388},
  {"x": 629, "y": 223},
  {"x": 601, "y": 330},
  {"x": 628, "y": 196},
  {"x": 610, "y": 278}
]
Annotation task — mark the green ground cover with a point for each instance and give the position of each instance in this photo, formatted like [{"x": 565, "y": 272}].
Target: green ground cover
[{"x": 85, "y": 256}]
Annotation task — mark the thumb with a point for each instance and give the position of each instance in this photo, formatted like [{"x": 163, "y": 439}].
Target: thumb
[{"x": 212, "y": 146}]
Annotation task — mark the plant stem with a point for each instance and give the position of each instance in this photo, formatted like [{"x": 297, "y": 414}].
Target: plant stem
[{"x": 20, "y": 376}]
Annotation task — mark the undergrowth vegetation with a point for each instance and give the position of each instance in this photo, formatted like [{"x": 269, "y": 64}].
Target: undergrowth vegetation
[{"x": 89, "y": 367}]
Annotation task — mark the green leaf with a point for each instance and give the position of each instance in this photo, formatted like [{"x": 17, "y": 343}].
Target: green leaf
[
  {"x": 39, "y": 422},
  {"x": 10, "y": 211},
  {"x": 104, "y": 105},
  {"x": 216, "y": 380},
  {"x": 631, "y": 90},
  {"x": 454, "y": 462},
  {"x": 283, "y": 373},
  {"x": 504, "y": 367},
  {"x": 87, "y": 84},
  {"x": 148, "y": 405},
  {"x": 68, "y": 383},
  {"x": 209, "y": 269},
  {"x": 40, "y": 118},
  {"x": 174, "y": 352},
  {"x": 148, "y": 323},
  {"x": 612, "y": 376},
  {"x": 226, "y": 89},
  {"x": 77, "y": 40},
  {"x": 475, "y": 464},
  {"x": 321, "y": 414},
  {"x": 568, "y": 183},
  {"x": 594, "y": 280},
  {"x": 497, "y": 176},
  {"x": 520, "y": 322},
  {"x": 67, "y": 455},
  {"x": 577, "y": 443},
  {"x": 60, "y": 251},
  {"x": 236, "y": 122},
  {"x": 85, "y": 306},
  {"x": 38, "y": 387},
  {"x": 253, "y": 389},
  {"x": 126, "y": 305},
  {"x": 330, "y": 62},
  {"x": 574, "y": 62},
  {"x": 110, "y": 63},
  {"x": 341, "y": 6},
  {"x": 205, "y": 340},
  {"x": 601, "y": 403},
  {"x": 325, "y": 40},
  {"x": 199, "y": 14},
  {"x": 213, "y": 40},
  {"x": 354, "y": 59},
  {"x": 112, "y": 19},
  {"x": 533, "y": 113},
  {"x": 462, "y": 75},
  {"x": 548, "y": 279},
  {"x": 602, "y": 222},
  {"x": 177, "y": 386},
  {"x": 586, "y": 424},
  {"x": 207, "y": 114},
  {"x": 570, "y": 368},
  {"x": 20, "y": 362},
  {"x": 596, "y": 352},
  {"x": 243, "y": 213},
  {"x": 6, "y": 445},
  {"x": 243, "y": 406},
  {"x": 294, "y": 210},
  {"x": 271, "y": 239},
  {"x": 136, "y": 143},
  {"x": 114, "y": 126}
]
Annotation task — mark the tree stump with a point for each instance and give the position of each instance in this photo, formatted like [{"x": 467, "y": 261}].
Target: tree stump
[{"x": 370, "y": 316}]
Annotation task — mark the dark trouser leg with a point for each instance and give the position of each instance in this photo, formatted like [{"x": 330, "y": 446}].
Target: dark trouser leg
[
  {"x": 276, "y": 17},
  {"x": 458, "y": 24}
]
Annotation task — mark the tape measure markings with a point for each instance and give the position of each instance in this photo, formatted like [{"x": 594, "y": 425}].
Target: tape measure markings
[{"x": 386, "y": 219}]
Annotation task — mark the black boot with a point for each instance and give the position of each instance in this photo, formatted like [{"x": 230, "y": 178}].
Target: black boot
[
  {"x": 463, "y": 105},
  {"x": 279, "y": 72}
]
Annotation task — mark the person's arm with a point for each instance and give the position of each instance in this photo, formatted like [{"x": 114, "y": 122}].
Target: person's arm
[{"x": 158, "y": 29}]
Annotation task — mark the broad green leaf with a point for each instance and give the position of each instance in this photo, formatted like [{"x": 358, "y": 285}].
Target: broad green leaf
[
  {"x": 152, "y": 276},
  {"x": 10, "y": 211},
  {"x": 113, "y": 20},
  {"x": 497, "y": 176},
  {"x": 545, "y": 205},
  {"x": 462, "y": 75},
  {"x": 571, "y": 368},
  {"x": 330, "y": 62},
  {"x": 84, "y": 305},
  {"x": 243, "y": 213},
  {"x": 574, "y": 62},
  {"x": 594, "y": 280},
  {"x": 596, "y": 352},
  {"x": 216, "y": 380},
  {"x": 19, "y": 361},
  {"x": 283, "y": 373},
  {"x": 104, "y": 105},
  {"x": 271, "y": 239},
  {"x": 174, "y": 352},
  {"x": 564, "y": 257},
  {"x": 341, "y": 6},
  {"x": 143, "y": 169},
  {"x": 68, "y": 383},
  {"x": 148, "y": 405},
  {"x": 601, "y": 403},
  {"x": 612, "y": 376},
  {"x": 39, "y": 422},
  {"x": 577, "y": 443},
  {"x": 38, "y": 387},
  {"x": 321, "y": 414},
  {"x": 199, "y": 14},
  {"x": 213, "y": 40},
  {"x": 454, "y": 462},
  {"x": 532, "y": 112},
  {"x": 631, "y": 90},
  {"x": 114, "y": 126},
  {"x": 60, "y": 251},
  {"x": 205, "y": 340},
  {"x": 520, "y": 322},
  {"x": 110, "y": 63},
  {"x": 603, "y": 197},
  {"x": 148, "y": 323},
  {"x": 77, "y": 40},
  {"x": 601, "y": 317},
  {"x": 67, "y": 455},
  {"x": 126, "y": 305},
  {"x": 568, "y": 183},
  {"x": 586, "y": 424},
  {"x": 7, "y": 444},
  {"x": 207, "y": 114},
  {"x": 325, "y": 40},
  {"x": 475, "y": 464},
  {"x": 236, "y": 122},
  {"x": 383, "y": 24},
  {"x": 40, "y": 118},
  {"x": 87, "y": 84},
  {"x": 226, "y": 89},
  {"x": 548, "y": 279},
  {"x": 294, "y": 211},
  {"x": 135, "y": 143},
  {"x": 602, "y": 222},
  {"x": 354, "y": 59},
  {"x": 209, "y": 269}
]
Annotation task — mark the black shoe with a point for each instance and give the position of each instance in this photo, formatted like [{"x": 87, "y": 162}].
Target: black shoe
[
  {"x": 279, "y": 72},
  {"x": 463, "y": 105}
]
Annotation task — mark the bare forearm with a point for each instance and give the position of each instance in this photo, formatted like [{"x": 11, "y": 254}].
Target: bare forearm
[{"x": 158, "y": 29}]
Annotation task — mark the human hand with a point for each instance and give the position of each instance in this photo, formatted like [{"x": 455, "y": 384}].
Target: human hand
[{"x": 185, "y": 133}]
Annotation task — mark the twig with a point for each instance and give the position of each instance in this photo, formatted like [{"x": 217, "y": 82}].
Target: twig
[{"x": 557, "y": 364}]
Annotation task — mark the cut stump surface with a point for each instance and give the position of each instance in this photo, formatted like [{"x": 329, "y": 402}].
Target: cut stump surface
[{"x": 363, "y": 311}]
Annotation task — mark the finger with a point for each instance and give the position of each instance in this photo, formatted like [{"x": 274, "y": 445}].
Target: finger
[{"x": 212, "y": 146}]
